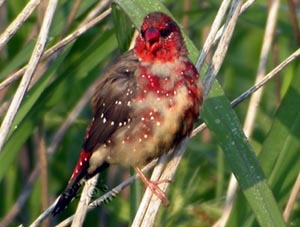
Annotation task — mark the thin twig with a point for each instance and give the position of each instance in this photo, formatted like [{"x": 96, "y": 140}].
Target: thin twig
[
  {"x": 212, "y": 33},
  {"x": 245, "y": 6},
  {"x": 263, "y": 81},
  {"x": 261, "y": 71},
  {"x": 94, "y": 12},
  {"x": 17, "y": 23},
  {"x": 221, "y": 50},
  {"x": 208, "y": 44},
  {"x": 33, "y": 62},
  {"x": 85, "y": 198}
]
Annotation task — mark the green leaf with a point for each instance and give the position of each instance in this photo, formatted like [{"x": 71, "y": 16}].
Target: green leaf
[
  {"x": 279, "y": 156},
  {"x": 123, "y": 26},
  {"x": 223, "y": 123}
]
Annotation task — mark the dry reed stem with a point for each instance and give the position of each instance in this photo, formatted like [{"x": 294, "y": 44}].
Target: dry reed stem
[
  {"x": 33, "y": 62},
  {"x": 18, "y": 22}
]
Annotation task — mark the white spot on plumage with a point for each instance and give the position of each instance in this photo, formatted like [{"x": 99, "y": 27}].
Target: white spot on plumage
[
  {"x": 112, "y": 123},
  {"x": 158, "y": 123},
  {"x": 104, "y": 120},
  {"x": 151, "y": 118},
  {"x": 85, "y": 159},
  {"x": 129, "y": 103},
  {"x": 80, "y": 163},
  {"x": 140, "y": 140},
  {"x": 145, "y": 136},
  {"x": 102, "y": 115},
  {"x": 120, "y": 124},
  {"x": 142, "y": 118}
]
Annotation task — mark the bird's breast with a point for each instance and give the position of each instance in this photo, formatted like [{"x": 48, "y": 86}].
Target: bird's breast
[{"x": 158, "y": 110}]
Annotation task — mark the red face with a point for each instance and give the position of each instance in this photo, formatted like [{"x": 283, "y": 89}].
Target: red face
[{"x": 160, "y": 38}]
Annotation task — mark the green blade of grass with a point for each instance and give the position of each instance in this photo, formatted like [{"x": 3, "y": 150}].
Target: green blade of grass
[
  {"x": 279, "y": 156},
  {"x": 123, "y": 27},
  {"x": 223, "y": 123}
]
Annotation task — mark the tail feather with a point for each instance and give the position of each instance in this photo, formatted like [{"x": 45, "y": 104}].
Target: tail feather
[
  {"x": 66, "y": 197},
  {"x": 74, "y": 185}
]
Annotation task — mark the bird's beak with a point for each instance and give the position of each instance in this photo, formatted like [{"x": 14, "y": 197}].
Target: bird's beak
[{"x": 152, "y": 38}]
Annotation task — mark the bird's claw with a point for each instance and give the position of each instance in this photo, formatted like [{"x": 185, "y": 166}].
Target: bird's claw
[{"x": 153, "y": 186}]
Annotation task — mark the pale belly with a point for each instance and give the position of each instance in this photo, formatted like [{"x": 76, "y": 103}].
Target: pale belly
[{"x": 153, "y": 130}]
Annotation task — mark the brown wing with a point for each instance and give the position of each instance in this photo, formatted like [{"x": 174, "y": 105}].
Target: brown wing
[
  {"x": 111, "y": 102},
  {"x": 114, "y": 90}
]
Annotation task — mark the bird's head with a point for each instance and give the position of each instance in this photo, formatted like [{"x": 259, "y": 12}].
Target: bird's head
[{"x": 160, "y": 39}]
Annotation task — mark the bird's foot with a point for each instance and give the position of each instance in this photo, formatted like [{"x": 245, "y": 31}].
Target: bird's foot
[{"x": 153, "y": 186}]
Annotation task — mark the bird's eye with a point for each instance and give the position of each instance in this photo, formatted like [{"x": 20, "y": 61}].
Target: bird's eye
[
  {"x": 143, "y": 33},
  {"x": 165, "y": 32}
]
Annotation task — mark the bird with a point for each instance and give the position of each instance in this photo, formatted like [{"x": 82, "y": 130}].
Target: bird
[{"x": 145, "y": 104}]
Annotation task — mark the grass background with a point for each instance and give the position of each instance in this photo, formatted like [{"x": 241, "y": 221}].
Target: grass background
[{"x": 198, "y": 191}]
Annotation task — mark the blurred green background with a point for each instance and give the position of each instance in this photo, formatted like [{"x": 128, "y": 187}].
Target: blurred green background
[{"x": 198, "y": 191}]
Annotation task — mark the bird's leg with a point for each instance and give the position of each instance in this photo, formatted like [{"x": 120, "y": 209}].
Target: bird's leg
[{"x": 153, "y": 186}]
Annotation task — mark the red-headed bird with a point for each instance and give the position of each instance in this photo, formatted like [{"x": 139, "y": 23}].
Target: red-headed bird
[{"x": 144, "y": 105}]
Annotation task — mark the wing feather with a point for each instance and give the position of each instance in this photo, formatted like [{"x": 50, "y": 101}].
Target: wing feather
[{"x": 111, "y": 102}]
